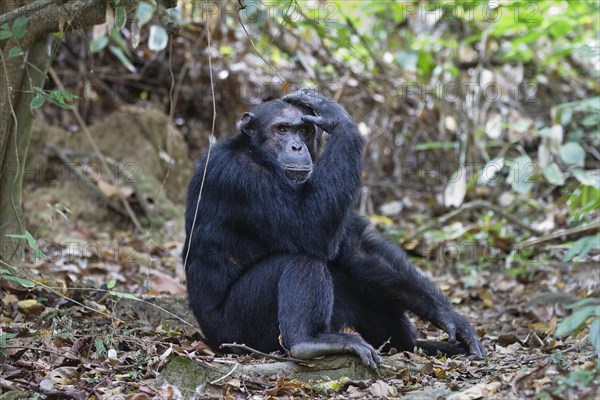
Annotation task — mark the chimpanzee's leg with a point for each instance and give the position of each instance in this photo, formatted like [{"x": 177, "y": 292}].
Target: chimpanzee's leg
[
  {"x": 388, "y": 284},
  {"x": 376, "y": 317},
  {"x": 306, "y": 300},
  {"x": 291, "y": 295}
]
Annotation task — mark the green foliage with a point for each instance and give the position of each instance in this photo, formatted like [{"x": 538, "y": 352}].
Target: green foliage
[
  {"x": 31, "y": 242},
  {"x": 110, "y": 285},
  {"x": 120, "y": 17},
  {"x": 585, "y": 310},
  {"x": 577, "y": 379},
  {"x": 582, "y": 247},
  {"x": 56, "y": 96},
  {"x": 539, "y": 33},
  {"x": 122, "y": 57},
  {"x": 100, "y": 347},
  {"x": 4, "y": 344},
  {"x": 8, "y": 275},
  {"x": 15, "y": 51},
  {"x": 521, "y": 175},
  {"x": 583, "y": 201},
  {"x": 144, "y": 13},
  {"x": 118, "y": 46},
  {"x": 99, "y": 43},
  {"x": 17, "y": 31}
]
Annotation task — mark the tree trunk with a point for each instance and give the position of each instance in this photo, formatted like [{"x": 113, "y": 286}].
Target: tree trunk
[{"x": 18, "y": 78}]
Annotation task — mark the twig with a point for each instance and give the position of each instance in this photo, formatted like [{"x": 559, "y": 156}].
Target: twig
[
  {"x": 26, "y": 9},
  {"x": 210, "y": 142},
  {"x": 471, "y": 206},
  {"x": 56, "y": 292},
  {"x": 243, "y": 7},
  {"x": 284, "y": 20},
  {"x": 591, "y": 227},
  {"x": 260, "y": 353},
  {"x": 380, "y": 348},
  {"x": 71, "y": 356},
  {"x": 226, "y": 375}
]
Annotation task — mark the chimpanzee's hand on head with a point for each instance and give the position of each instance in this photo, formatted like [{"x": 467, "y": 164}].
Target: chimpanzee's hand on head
[
  {"x": 458, "y": 327},
  {"x": 329, "y": 113}
]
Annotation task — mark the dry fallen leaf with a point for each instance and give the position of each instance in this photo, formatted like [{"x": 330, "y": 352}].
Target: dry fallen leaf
[
  {"x": 382, "y": 389},
  {"x": 480, "y": 391},
  {"x": 31, "y": 307}
]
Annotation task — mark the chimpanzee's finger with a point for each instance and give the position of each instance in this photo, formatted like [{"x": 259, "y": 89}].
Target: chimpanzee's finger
[
  {"x": 306, "y": 96},
  {"x": 313, "y": 119},
  {"x": 451, "y": 331}
]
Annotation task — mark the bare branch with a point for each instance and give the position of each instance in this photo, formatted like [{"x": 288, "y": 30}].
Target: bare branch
[
  {"x": 25, "y": 10},
  {"x": 245, "y": 348}
]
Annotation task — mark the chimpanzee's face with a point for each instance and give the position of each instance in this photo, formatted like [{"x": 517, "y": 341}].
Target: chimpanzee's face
[{"x": 280, "y": 131}]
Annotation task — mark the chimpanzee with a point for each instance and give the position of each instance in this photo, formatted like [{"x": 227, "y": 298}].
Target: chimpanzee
[{"x": 274, "y": 246}]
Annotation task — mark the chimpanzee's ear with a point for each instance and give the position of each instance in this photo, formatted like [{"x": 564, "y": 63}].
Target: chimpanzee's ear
[{"x": 247, "y": 124}]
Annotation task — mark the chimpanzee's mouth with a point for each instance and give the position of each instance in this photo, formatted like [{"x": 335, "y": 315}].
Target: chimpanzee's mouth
[{"x": 297, "y": 175}]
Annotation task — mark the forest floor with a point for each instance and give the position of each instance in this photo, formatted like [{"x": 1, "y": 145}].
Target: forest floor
[{"x": 77, "y": 335}]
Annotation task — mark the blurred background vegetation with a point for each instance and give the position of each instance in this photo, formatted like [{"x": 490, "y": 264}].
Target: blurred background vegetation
[{"x": 492, "y": 104}]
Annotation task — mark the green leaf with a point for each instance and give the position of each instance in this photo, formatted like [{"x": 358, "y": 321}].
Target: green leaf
[
  {"x": 27, "y": 236},
  {"x": 31, "y": 242},
  {"x": 59, "y": 97},
  {"x": 582, "y": 247},
  {"x": 158, "y": 39},
  {"x": 4, "y": 343},
  {"x": 520, "y": 176},
  {"x": 584, "y": 302},
  {"x": 576, "y": 320},
  {"x": 120, "y": 17},
  {"x": 6, "y": 336},
  {"x": 15, "y": 52},
  {"x": 554, "y": 175},
  {"x": 111, "y": 284},
  {"x": 5, "y": 34},
  {"x": 144, "y": 13},
  {"x": 226, "y": 50},
  {"x": 23, "y": 282},
  {"x": 561, "y": 28},
  {"x": 122, "y": 57},
  {"x": 37, "y": 101},
  {"x": 99, "y": 43},
  {"x": 595, "y": 334},
  {"x": 19, "y": 27},
  {"x": 99, "y": 344},
  {"x": 572, "y": 153},
  {"x": 122, "y": 295},
  {"x": 407, "y": 59}
]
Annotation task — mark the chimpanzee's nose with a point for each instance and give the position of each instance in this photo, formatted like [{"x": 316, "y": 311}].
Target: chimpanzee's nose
[{"x": 296, "y": 147}]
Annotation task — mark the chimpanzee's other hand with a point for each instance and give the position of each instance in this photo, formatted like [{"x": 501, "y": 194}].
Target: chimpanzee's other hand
[
  {"x": 458, "y": 327},
  {"x": 329, "y": 114}
]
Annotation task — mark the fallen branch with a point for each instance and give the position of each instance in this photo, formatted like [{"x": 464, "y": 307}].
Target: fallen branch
[
  {"x": 247, "y": 349},
  {"x": 587, "y": 228},
  {"x": 25, "y": 10},
  {"x": 477, "y": 204}
]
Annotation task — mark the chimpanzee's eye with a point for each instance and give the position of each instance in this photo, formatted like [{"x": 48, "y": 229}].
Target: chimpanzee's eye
[{"x": 282, "y": 129}]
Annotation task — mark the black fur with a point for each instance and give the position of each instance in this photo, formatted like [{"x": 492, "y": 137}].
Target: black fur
[{"x": 270, "y": 256}]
